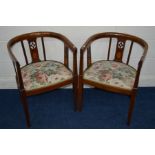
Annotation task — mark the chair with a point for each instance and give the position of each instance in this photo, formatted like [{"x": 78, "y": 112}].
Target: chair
[
  {"x": 115, "y": 73},
  {"x": 39, "y": 74}
]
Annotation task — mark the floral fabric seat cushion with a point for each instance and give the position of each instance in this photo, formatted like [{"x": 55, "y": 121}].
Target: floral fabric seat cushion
[
  {"x": 111, "y": 73},
  {"x": 44, "y": 74}
]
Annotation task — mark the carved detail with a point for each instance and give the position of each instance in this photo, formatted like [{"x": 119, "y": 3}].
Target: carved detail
[
  {"x": 34, "y": 50},
  {"x": 120, "y": 44},
  {"x": 32, "y": 45}
]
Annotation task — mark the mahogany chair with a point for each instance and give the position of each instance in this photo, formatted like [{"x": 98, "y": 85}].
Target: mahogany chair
[
  {"x": 38, "y": 75},
  {"x": 118, "y": 72}
]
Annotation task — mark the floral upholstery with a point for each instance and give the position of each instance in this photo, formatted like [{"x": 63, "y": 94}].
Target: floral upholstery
[
  {"x": 43, "y": 74},
  {"x": 111, "y": 73}
]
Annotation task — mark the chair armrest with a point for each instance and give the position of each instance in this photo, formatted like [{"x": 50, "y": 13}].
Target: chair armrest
[
  {"x": 73, "y": 49},
  {"x": 68, "y": 43},
  {"x": 19, "y": 79},
  {"x": 85, "y": 46},
  {"x": 75, "y": 62},
  {"x": 139, "y": 70},
  {"x": 17, "y": 69},
  {"x": 90, "y": 40}
]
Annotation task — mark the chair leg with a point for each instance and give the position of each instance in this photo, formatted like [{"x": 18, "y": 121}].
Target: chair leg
[
  {"x": 75, "y": 88},
  {"x": 25, "y": 106},
  {"x": 80, "y": 95},
  {"x": 131, "y": 108}
]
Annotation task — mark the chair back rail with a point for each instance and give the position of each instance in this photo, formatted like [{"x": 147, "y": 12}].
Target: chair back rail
[
  {"x": 31, "y": 39},
  {"x": 121, "y": 40}
]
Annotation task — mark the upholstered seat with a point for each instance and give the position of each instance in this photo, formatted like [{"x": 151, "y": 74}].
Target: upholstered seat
[
  {"x": 111, "y": 73},
  {"x": 44, "y": 74}
]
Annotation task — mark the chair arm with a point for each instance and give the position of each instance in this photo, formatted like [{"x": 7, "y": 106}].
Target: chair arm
[
  {"x": 138, "y": 71},
  {"x": 90, "y": 40},
  {"x": 85, "y": 46},
  {"x": 73, "y": 49},
  {"x": 17, "y": 69},
  {"x": 19, "y": 79},
  {"x": 67, "y": 42},
  {"x": 75, "y": 61}
]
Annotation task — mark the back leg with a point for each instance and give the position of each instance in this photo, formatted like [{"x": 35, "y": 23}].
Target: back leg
[
  {"x": 75, "y": 88},
  {"x": 80, "y": 95}
]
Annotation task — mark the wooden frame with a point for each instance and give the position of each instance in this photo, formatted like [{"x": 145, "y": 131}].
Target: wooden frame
[
  {"x": 31, "y": 39},
  {"x": 121, "y": 38}
]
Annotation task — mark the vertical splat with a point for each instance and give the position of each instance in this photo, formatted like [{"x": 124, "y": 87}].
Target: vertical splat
[
  {"x": 66, "y": 56},
  {"x": 119, "y": 49},
  {"x": 33, "y": 50},
  {"x": 43, "y": 45},
  {"x": 110, "y": 40},
  {"x": 89, "y": 56},
  {"x": 24, "y": 52}
]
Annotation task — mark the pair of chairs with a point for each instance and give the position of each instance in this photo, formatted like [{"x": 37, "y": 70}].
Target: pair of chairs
[{"x": 115, "y": 74}]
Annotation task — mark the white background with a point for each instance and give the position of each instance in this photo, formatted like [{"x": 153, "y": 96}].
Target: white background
[{"x": 77, "y": 13}]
